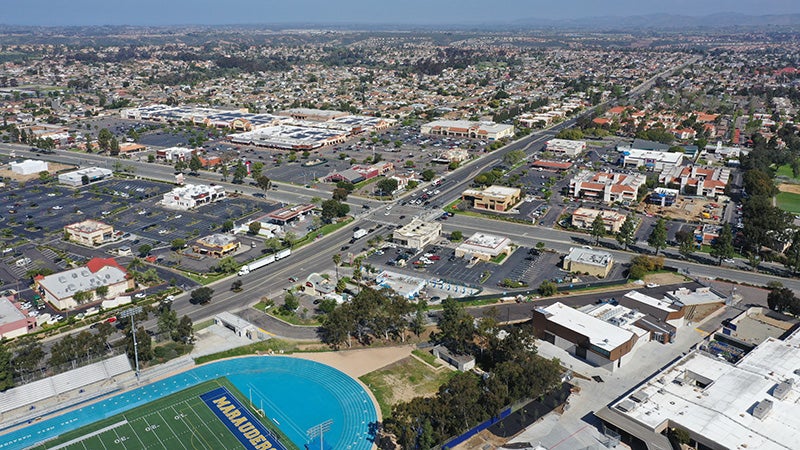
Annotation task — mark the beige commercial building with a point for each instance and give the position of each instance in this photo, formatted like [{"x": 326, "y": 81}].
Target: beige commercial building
[
  {"x": 586, "y": 260},
  {"x": 584, "y": 217},
  {"x": 608, "y": 187},
  {"x": 89, "y": 232},
  {"x": 417, "y": 234},
  {"x": 493, "y": 198},
  {"x": 464, "y": 128},
  {"x": 484, "y": 247}
]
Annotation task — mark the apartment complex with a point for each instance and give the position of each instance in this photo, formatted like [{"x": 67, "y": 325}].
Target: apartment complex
[
  {"x": 192, "y": 195},
  {"x": 694, "y": 180},
  {"x": 493, "y": 198},
  {"x": 607, "y": 187},
  {"x": 89, "y": 232},
  {"x": 466, "y": 129}
]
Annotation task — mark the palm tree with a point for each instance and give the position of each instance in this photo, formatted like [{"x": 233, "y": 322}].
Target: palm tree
[{"x": 337, "y": 259}]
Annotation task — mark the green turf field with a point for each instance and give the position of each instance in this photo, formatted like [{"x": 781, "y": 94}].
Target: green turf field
[
  {"x": 179, "y": 421},
  {"x": 788, "y": 201}
]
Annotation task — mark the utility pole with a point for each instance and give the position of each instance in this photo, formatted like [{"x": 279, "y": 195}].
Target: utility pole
[{"x": 132, "y": 312}]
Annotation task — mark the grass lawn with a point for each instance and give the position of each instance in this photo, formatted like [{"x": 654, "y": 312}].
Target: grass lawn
[
  {"x": 785, "y": 171},
  {"x": 402, "y": 381},
  {"x": 788, "y": 201},
  {"x": 427, "y": 357},
  {"x": 180, "y": 420}
]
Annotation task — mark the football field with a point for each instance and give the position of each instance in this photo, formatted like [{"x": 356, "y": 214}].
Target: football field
[{"x": 182, "y": 420}]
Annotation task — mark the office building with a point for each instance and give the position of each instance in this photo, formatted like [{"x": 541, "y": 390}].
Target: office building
[
  {"x": 586, "y": 260},
  {"x": 89, "y": 232},
  {"x": 60, "y": 288},
  {"x": 607, "y": 187},
  {"x": 466, "y": 129},
  {"x": 484, "y": 247},
  {"x": 493, "y": 198},
  {"x": 584, "y": 217},
  {"x": 192, "y": 195},
  {"x": 417, "y": 234}
]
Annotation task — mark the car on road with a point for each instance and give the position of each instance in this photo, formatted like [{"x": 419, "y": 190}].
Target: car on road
[
  {"x": 729, "y": 261},
  {"x": 293, "y": 279},
  {"x": 652, "y": 285},
  {"x": 140, "y": 295},
  {"x": 111, "y": 319},
  {"x": 57, "y": 207}
]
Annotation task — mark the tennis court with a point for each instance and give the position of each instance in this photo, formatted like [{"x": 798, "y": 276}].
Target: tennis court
[{"x": 282, "y": 396}]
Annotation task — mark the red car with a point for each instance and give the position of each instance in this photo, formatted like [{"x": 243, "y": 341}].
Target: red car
[
  {"x": 111, "y": 319},
  {"x": 435, "y": 258}
]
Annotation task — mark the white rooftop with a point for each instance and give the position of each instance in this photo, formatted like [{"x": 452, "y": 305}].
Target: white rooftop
[
  {"x": 699, "y": 296},
  {"x": 600, "y": 333},
  {"x": 483, "y": 241},
  {"x": 723, "y": 411},
  {"x": 654, "y": 302},
  {"x": 589, "y": 256}
]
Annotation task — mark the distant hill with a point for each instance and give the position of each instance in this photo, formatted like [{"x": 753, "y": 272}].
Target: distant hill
[{"x": 666, "y": 21}]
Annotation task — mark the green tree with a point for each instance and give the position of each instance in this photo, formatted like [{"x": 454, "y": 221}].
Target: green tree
[
  {"x": 254, "y": 227},
  {"x": 658, "y": 237},
  {"x": 337, "y": 259},
  {"x": 227, "y": 265},
  {"x": 144, "y": 345},
  {"x": 256, "y": 170},
  {"x": 28, "y": 355},
  {"x": 387, "y": 186},
  {"x": 177, "y": 244},
  {"x": 144, "y": 250},
  {"x": 598, "y": 228},
  {"x": 428, "y": 174},
  {"x": 793, "y": 253},
  {"x": 202, "y": 295},
  {"x": 686, "y": 242},
  {"x": 6, "y": 373},
  {"x": 101, "y": 291},
  {"x": 263, "y": 182},
  {"x": 456, "y": 236},
  {"x": 185, "y": 331},
  {"x": 513, "y": 157},
  {"x": 332, "y": 208},
  {"x": 239, "y": 173},
  {"x": 180, "y": 165},
  {"x": 273, "y": 244},
  {"x": 547, "y": 288},
  {"x": 227, "y": 226},
  {"x": 627, "y": 232},
  {"x": 456, "y": 326},
  {"x": 113, "y": 147},
  {"x": 340, "y": 194},
  {"x": 290, "y": 301},
  {"x": 104, "y": 139},
  {"x": 167, "y": 321},
  {"x": 722, "y": 247},
  {"x": 224, "y": 171},
  {"x": 195, "y": 164}
]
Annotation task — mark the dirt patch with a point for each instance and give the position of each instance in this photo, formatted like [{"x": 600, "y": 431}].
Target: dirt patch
[
  {"x": 360, "y": 362},
  {"x": 664, "y": 278},
  {"x": 690, "y": 209},
  {"x": 703, "y": 311},
  {"x": 792, "y": 188},
  {"x": 52, "y": 168}
]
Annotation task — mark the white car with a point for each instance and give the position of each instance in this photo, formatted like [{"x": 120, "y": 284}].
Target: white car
[
  {"x": 729, "y": 261},
  {"x": 653, "y": 285},
  {"x": 140, "y": 295},
  {"x": 57, "y": 207},
  {"x": 51, "y": 194}
]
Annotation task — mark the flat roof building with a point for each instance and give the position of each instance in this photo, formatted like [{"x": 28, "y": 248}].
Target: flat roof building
[
  {"x": 76, "y": 178},
  {"x": 13, "y": 320},
  {"x": 89, "y": 232},
  {"x": 289, "y": 213},
  {"x": 467, "y": 129},
  {"x": 753, "y": 404},
  {"x": 599, "y": 342},
  {"x": 417, "y": 234},
  {"x": 586, "y": 260},
  {"x": 584, "y": 217},
  {"x": 192, "y": 195},
  {"x": 315, "y": 115},
  {"x": 216, "y": 245},
  {"x": 565, "y": 147},
  {"x": 60, "y": 288},
  {"x": 28, "y": 167},
  {"x": 493, "y": 198},
  {"x": 607, "y": 187},
  {"x": 290, "y": 137},
  {"x": 484, "y": 247},
  {"x": 651, "y": 159}
]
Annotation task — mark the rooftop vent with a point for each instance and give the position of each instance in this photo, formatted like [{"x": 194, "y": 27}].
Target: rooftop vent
[
  {"x": 783, "y": 389},
  {"x": 762, "y": 409}
]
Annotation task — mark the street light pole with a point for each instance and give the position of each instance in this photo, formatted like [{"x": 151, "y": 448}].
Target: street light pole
[{"x": 132, "y": 312}]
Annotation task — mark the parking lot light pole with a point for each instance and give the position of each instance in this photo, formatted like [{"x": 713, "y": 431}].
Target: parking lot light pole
[{"x": 132, "y": 312}]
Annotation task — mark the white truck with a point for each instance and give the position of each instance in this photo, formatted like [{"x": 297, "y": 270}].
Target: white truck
[
  {"x": 283, "y": 253},
  {"x": 247, "y": 268},
  {"x": 359, "y": 233}
]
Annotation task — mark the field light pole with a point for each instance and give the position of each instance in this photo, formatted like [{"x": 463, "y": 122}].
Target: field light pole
[
  {"x": 132, "y": 312},
  {"x": 319, "y": 430}
]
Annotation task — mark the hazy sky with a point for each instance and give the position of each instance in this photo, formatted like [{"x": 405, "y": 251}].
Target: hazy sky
[{"x": 170, "y": 12}]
